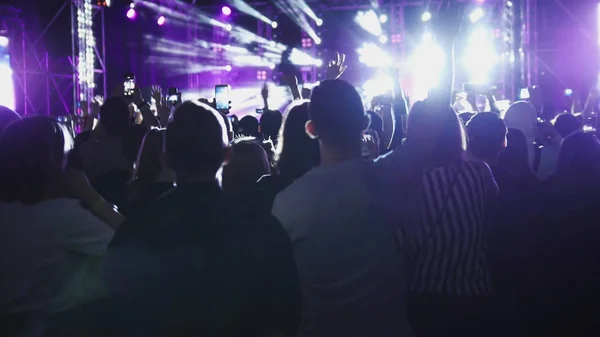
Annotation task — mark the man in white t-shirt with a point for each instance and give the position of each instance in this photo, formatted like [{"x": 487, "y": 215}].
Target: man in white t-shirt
[{"x": 346, "y": 252}]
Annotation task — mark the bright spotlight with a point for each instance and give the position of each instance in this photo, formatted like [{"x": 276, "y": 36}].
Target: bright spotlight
[
  {"x": 226, "y": 10},
  {"x": 228, "y": 27},
  {"x": 161, "y": 20},
  {"x": 369, "y": 21},
  {"x": 383, "y": 39},
  {"x": 380, "y": 85},
  {"x": 426, "y": 16},
  {"x": 228, "y": 67},
  {"x": 373, "y": 56},
  {"x": 319, "y": 22},
  {"x": 271, "y": 66},
  {"x": 318, "y": 40},
  {"x": 480, "y": 55},
  {"x": 300, "y": 58},
  {"x": 427, "y": 63},
  {"x": 476, "y": 15},
  {"x": 568, "y": 92},
  {"x": 132, "y": 5},
  {"x": 383, "y": 18},
  {"x": 7, "y": 94},
  {"x": 131, "y": 13},
  {"x": 427, "y": 36},
  {"x": 274, "y": 24},
  {"x": 319, "y": 63}
]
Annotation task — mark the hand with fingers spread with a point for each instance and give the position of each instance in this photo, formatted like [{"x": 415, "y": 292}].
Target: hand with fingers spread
[
  {"x": 156, "y": 93},
  {"x": 335, "y": 68}
]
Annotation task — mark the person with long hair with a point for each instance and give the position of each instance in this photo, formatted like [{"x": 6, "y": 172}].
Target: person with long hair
[
  {"x": 296, "y": 152},
  {"x": 46, "y": 235},
  {"x": 151, "y": 178},
  {"x": 247, "y": 164}
]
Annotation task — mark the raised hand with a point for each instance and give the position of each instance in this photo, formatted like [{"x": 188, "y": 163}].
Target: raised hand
[
  {"x": 156, "y": 93},
  {"x": 449, "y": 20},
  {"x": 265, "y": 91},
  {"x": 292, "y": 81},
  {"x": 335, "y": 68}
]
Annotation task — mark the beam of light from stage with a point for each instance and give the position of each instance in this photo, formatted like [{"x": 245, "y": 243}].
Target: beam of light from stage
[
  {"x": 480, "y": 56},
  {"x": 304, "y": 7},
  {"x": 301, "y": 58},
  {"x": 369, "y": 21},
  {"x": 380, "y": 85},
  {"x": 426, "y": 63},
  {"x": 191, "y": 15},
  {"x": 243, "y": 36},
  {"x": 247, "y": 9},
  {"x": 7, "y": 91},
  {"x": 298, "y": 17},
  {"x": 373, "y": 56}
]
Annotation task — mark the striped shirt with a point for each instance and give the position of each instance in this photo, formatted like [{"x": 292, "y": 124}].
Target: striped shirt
[{"x": 449, "y": 239}]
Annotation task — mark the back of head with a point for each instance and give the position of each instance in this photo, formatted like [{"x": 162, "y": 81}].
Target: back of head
[
  {"x": 114, "y": 116},
  {"x": 435, "y": 134},
  {"x": 579, "y": 158},
  {"x": 270, "y": 123},
  {"x": 466, "y": 116},
  {"x": 337, "y": 112},
  {"x": 149, "y": 161},
  {"x": 33, "y": 155},
  {"x": 7, "y": 116},
  {"x": 515, "y": 157},
  {"x": 566, "y": 124},
  {"x": 296, "y": 153},
  {"x": 248, "y": 126},
  {"x": 247, "y": 164},
  {"x": 487, "y": 135},
  {"x": 523, "y": 117},
  {"x": 196, "y": 140}
]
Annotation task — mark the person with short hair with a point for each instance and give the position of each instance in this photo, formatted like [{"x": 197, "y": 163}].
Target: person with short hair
[
  {"x": 566, "y": 124},
  {"x": 347, "y": 255},
  {"x": 270, "y": 123},
  {"x": 247, "y": 164},
  {"x": 194, "y": 259},
  {"x": 486, "y": 132}
]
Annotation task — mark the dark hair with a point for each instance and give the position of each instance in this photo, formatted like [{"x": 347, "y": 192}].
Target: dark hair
[
  {"x": 486, "y": 132},
  {"x": 566, "y": 124},
  {"x": 579, "y": 158},
  {"x": 296, "y": 153},
  {"x": 33, "y": 155},
  {"x": 270, "y": 123},
  {"x": 114, "y": 116},
  {"x": 248, "y": 163},
  {"x": 515, "y": 158},
  {"x": 149, "y": 160},
  {"x": 337, "y": 112},
  {"x": 466, "y": 116},
  {"x": 248, "y": 126},
  {"x": 196, "y": 139},
  {"x": 7, "y": 116},
  {"x": 435, "y": 134}
]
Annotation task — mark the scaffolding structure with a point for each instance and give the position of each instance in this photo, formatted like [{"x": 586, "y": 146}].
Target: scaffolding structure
[{"x": 38, "y": 74}]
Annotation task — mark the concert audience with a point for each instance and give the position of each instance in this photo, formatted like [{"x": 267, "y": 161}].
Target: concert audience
[
  {"x": 194, "y": 261},
  {"x": 471, "y": 224}
]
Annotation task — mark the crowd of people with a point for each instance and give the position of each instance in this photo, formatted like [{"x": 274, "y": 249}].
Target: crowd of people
[{"x": 324, "y": 220}]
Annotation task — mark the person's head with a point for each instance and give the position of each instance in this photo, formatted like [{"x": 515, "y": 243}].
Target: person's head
[
  {"x": 150, "y": 160},
  {"x": 115, "y": 116},
  {"x": 7, "y": 116},
  {"x": 296, "y": 152},
  {"x": 270, "y": 123},
  {"x": 486, "y": 132},
  {"x": 248, "y": 126},
  {"x": 248, "y": 162},
  {"x": 523, "y": 117},
  {"x": 435, "y": 134},
  {"x": 579, "y": 158},
  {"x": 337, "y": 117},
  {"x": 196, "y": 141},
  {"x": 466, "y": 116},
  {"x": 33, "y": 157},
  {"x": 515, "y": 158},
  {"x": 566, "y": 124}
]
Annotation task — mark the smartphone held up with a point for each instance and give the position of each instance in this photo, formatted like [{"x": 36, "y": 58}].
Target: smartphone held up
[
  {"x": 129, "y": 85},
  {"x": 222, "y": 99}
]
